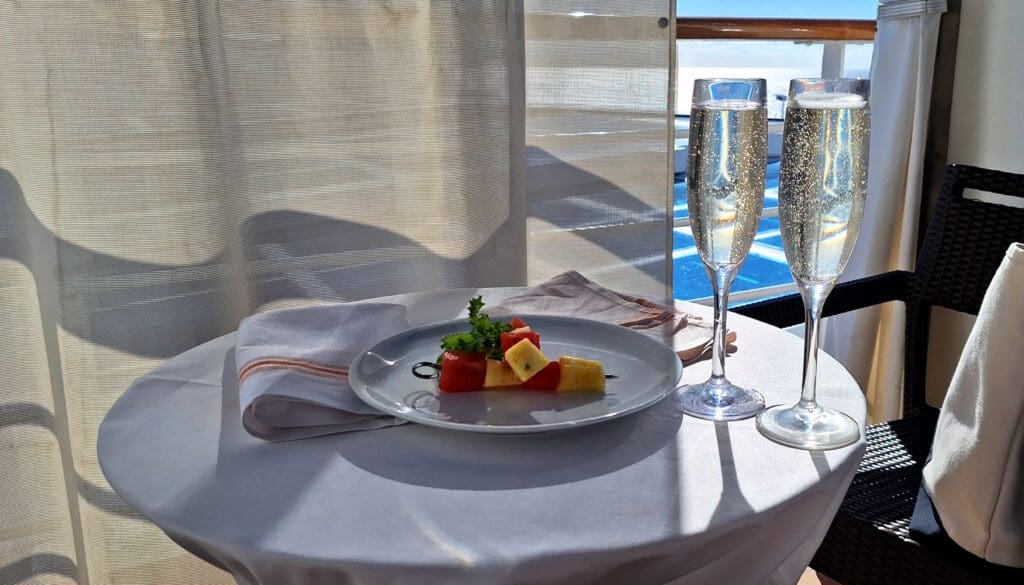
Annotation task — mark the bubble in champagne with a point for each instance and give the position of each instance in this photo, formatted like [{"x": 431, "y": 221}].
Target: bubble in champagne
[
  {"x": 823, "y": 182},
  {"x": 725, "y": 178}
]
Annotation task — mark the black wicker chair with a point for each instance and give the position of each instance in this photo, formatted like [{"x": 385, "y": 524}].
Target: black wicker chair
[{"x": 869, "y": 541}]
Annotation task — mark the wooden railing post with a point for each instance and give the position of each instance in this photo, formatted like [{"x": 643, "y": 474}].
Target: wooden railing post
[{"x": 775, "y": 29}]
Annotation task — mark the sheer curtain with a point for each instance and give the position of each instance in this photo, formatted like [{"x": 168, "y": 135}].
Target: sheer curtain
[
  {"x": 168, "y": 168},
  {"x": 599, "y": 125},
  {"x": 870, "y": 341}
]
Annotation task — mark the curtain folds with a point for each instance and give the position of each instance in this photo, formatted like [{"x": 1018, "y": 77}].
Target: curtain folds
[
  {"x": 168, "y": 168},
  {"x": 870, "y": 341},
  {"x": 600, "y": 126}
]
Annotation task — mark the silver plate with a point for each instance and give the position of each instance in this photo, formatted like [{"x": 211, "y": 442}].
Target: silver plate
[{"x": 646, "y": 371}]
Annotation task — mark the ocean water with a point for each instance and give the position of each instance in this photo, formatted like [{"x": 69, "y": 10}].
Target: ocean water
[{"x": 765, "y": 264}]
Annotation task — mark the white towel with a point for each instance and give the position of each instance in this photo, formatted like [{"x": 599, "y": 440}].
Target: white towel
[
  {"x": 293, "y": 363},
  {"x": 293, "y": 368},
  {"x": 573, "y": 295},
  {"x": 976, "y": 473}
]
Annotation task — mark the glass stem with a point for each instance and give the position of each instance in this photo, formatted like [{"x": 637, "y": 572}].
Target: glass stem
[
  {"x": 814, "y": 296},
  {"x": 721, "y": 280}
]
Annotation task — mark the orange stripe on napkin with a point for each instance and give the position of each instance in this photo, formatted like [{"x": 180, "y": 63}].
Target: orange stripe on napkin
[
  {"x": 644, "y": 302},
  {"x": 654, "y": 315},
  {"x": 305, "y": 366}
]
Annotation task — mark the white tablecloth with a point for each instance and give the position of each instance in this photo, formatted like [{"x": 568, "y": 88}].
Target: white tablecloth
[{"x": 651, "y": 498}]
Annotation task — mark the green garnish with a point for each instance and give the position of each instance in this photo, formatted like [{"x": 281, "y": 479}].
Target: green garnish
[{"x": 485, "y": 334}]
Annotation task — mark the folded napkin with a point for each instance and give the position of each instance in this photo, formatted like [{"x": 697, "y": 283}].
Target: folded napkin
[
  {"x": 293, "y": 368},
  {"x": 976, "y": 474},
  {"x": 293, "y": 363},
  {"x": 573, "y": 295}
]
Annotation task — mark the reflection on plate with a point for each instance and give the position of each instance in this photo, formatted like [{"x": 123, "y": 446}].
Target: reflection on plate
[{"x": 646, "y": 371}]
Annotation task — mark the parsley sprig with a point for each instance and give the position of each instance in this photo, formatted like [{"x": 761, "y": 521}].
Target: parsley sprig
[{"x": 485, "y": 334}]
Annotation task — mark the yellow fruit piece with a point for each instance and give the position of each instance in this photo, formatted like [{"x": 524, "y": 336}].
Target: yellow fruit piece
[
  {"x": 525, "y": 359},
  {"x": 580, "y": 375},
  {"x": 499, "y": 375}
]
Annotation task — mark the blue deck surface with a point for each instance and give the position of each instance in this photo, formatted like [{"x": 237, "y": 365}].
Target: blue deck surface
[{"x": 765, "y": 266}]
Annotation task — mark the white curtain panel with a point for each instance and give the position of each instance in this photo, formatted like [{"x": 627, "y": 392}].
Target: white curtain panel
[
  {"x": 167, "y": 168},
  {"x": 870, "y": 341},
  {"x": 599, "y": 121}
]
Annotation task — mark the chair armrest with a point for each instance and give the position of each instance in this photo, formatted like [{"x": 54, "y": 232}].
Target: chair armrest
[{"x": 788, "y": 310}]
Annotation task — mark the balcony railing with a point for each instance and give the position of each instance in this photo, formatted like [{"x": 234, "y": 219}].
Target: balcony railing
[
  {"x": 775, "y": 29},
  {"x": 833, "y": 34}
]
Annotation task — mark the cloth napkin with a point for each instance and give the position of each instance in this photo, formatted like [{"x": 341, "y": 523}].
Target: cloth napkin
[
  {"x": 976, "y": 474},
  {"x": 293, "y": 368},
  {"x": 293, "y": 363},
  {"x": 573, "y": 295}
]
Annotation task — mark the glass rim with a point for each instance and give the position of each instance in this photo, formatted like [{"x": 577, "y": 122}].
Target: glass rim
[
  {"x": 751, "y": 90},
  {"x": 713, "y": 79}
]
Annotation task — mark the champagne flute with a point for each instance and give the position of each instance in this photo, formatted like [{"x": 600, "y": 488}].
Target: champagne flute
[
  {"x": 822, "y": 185},
  {"x": 725, "y": 180}
]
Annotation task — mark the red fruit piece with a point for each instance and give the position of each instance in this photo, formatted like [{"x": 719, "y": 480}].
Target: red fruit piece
[
  {"x": 517, "y": 323},
  {"x": 462, "y": 371},
  {"x": 513, "y": 337},
  {"x": 546, "y": 379}
]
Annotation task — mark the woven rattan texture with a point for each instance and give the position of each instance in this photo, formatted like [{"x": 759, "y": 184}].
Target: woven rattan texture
[
  {"x": 962, "y": 249},
  {"x": 884, "y": 490},
  {"x": 869, "y": 540}
]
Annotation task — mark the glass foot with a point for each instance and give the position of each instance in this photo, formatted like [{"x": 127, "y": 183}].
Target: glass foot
[
  {"x": 814, "y": 429},
  {"x": 719, "y": 401}
]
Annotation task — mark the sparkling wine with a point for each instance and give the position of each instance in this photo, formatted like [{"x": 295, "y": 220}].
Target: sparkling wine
[
  {"x": 725, "y": 193},
  {"x": 725, "y": 178},
  {"x": 822, "y": 182}
]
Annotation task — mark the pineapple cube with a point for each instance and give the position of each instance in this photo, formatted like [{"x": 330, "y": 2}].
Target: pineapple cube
[
  {"x": 499, "y": 375},
  {"x": 525, "y": 359},
  {"x": 580, "y": 375}
]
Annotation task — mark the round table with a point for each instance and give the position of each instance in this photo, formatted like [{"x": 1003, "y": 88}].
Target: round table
[{"x": 654, "y": 497}]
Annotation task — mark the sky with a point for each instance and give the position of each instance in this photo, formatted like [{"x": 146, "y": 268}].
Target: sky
[
  {"x": 776, "y": 61},
  {"x": 779, "y": 8}
]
